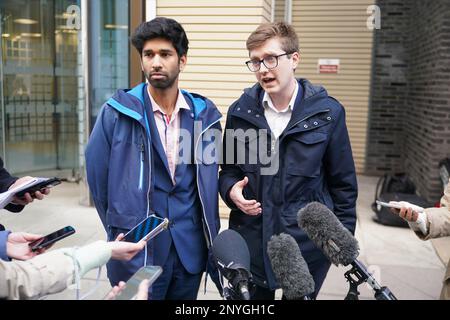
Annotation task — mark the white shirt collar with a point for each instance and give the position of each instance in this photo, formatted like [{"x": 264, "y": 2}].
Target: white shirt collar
[
  {"x": 267, "y": 101},
  {"x": 180, "y": 104}
]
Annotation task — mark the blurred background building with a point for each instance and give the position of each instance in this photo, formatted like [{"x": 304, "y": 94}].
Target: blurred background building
[{"x": 61, "y": 59}]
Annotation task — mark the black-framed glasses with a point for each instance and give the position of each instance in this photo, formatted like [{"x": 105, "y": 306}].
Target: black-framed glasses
[{"x": 270, "y": 62}]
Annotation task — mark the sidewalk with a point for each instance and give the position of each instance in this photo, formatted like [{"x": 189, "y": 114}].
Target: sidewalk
[{"x": 399, "y": 260}]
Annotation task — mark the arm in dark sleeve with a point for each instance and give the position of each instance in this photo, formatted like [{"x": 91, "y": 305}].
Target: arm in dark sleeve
[
  {"x": 230, "y": 173},
  {"x": 97, "y": 160},
  {"x": 341, "y": 174}
]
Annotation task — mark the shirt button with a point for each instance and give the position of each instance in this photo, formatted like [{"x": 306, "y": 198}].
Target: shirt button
[
  {"x": 328, "y": 118},
  {"x": 315, "y": 123},
  {"x": 249, "y": 111},
  {"x": 305, "y": 126}
]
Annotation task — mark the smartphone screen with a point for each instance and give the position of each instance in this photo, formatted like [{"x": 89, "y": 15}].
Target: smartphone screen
[
  {"x": 51, "y": 238},
  {"x": 146, "y": 229},
  {"x": 149, "y": 272}
]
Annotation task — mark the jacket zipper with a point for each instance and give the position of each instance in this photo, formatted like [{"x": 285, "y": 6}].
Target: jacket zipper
[
  {"x": 209, "y": 242},
  {"x": 141, "y": 172},
  {"x": 198, "y": 184}
]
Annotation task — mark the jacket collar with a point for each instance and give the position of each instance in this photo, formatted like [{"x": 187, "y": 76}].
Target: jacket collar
[
  {"x": 131, "y": 103},
  {"x": 249, "y": 106}
]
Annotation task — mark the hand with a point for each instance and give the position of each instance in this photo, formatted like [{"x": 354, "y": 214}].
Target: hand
[
  {"x": 250, "y": 207},
  {"x": 27, "y": 198},
  {"x": 18, "y": 247},
  {"x": 142, "y": 293},
  {"x": 122, "y": 250},
  {"x": 409, "y": 212},
  {"x": 115, "y": 291}
]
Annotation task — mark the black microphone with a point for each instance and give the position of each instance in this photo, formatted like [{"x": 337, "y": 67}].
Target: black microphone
[
  {"x": 289, "y": 267},
  {"x": 339, "y": 246},
  {"x": 233, "y": 257}
]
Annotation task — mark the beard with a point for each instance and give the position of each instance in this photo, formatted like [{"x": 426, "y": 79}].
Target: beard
[{"x": 164, "y": 83}]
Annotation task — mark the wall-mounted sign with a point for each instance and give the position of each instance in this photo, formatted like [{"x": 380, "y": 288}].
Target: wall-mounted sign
[{"x": 328, "y": 66}]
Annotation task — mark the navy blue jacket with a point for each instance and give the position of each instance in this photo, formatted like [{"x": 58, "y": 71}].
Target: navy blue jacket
[
  {"x": 119, "y": 165},
  {"x": 315, "y": 164}
]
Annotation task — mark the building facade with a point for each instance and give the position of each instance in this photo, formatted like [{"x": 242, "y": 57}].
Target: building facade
[{"x": 61, "y": 59}]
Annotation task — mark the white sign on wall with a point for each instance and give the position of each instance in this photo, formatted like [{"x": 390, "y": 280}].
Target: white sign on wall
[{"x": 328, "y": 66}]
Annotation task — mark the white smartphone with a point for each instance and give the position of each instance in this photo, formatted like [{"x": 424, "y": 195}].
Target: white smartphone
[
  {"x": 149, "y": 272},
  {"x": 389, "y": 205}
]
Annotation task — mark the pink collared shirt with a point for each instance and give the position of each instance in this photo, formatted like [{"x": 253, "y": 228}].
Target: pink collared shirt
[{"x": 169, "y": 130}]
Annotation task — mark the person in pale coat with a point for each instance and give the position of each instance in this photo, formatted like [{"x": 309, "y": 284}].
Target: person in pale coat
[
  {"x": 430, "y": 223},
  {"x": 54, "y": 271}
]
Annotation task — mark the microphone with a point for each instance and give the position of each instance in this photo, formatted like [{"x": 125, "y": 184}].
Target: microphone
[
  {"x": 289, "y": 267},
  {"x": 233, "y": 257},
  {"x": 339, "y": 246}
]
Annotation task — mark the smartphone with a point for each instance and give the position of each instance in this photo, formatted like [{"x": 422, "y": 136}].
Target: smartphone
[
  {"x": 51, "y": 238},
  {"x": 149, "y": 272},
  {"x": 389, "y": 205},
  {"x": 46, "y": 183},
  {"x": 146, "y": 229}
]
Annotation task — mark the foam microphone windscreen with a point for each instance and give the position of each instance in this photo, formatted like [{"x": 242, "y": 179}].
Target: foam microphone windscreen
[
  {"x": 289, "y": 267},
  {"x": 231, "y": 250},
  {"x": 328, "y": 233}
]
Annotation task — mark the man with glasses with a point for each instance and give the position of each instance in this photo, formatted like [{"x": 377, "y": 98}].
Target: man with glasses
[{"x": 303, "y": 130}]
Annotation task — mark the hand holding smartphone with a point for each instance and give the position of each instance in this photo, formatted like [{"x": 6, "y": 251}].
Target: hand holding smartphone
[
  {"x": 51, "y": 238},
  {"x": 399, "y": 205},
  {"x": 41, "y": 184},
  {"x": 132, "y": 285}
]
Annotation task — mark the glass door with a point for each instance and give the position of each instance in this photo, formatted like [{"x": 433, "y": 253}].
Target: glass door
[{"x": 40, "y": 85}]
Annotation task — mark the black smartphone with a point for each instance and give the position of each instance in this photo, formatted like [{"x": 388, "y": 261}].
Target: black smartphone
[
  {"x": 146, "y": 229},
  {"x": 51, "y": 238},
  {"x": 47, "y": 183}
]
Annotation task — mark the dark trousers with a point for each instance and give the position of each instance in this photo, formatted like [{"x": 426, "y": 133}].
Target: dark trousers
[
  {"x": 319, "y": 272},
  {"x": 175, "y": 283}
]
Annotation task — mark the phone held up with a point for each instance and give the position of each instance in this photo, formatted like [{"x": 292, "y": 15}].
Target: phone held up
[
  {"x": 146, "y": 229},
  {"x": 40, "y": 185},
  {"x": 149, "y": 272},
  {"x": 51, "y": 238}
]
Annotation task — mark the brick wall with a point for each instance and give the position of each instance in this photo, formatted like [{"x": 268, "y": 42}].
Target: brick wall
[
  {"x": 410, "y": 107},
  {"x": 427, "y": 125},
  {"x": 389, "y": 90}
]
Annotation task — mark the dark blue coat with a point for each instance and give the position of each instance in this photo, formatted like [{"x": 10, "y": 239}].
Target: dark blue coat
[
  {"x": 315, "y": 164},
  {"x": 119, "y": 165}
]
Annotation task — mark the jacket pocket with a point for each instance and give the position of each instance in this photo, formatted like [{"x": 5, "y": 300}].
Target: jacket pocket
[
  {"x": 306, "y": 151},
  {"x": 310, "y": 138},
  {"x": 120, "y": 223}
]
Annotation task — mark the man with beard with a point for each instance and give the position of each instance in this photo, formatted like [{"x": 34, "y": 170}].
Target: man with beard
[{"x": 137, "y": 165}]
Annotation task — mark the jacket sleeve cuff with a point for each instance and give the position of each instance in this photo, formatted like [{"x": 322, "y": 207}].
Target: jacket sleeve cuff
[
  {"x": 92, "y": 256},
  {"x": 3, "y": 240},
  {"x": 14, "y": 207},
  {"x": 226, "y": 187}
]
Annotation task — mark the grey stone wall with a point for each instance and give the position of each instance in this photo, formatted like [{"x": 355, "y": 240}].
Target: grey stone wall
[{"x": 409, "y": 120}]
